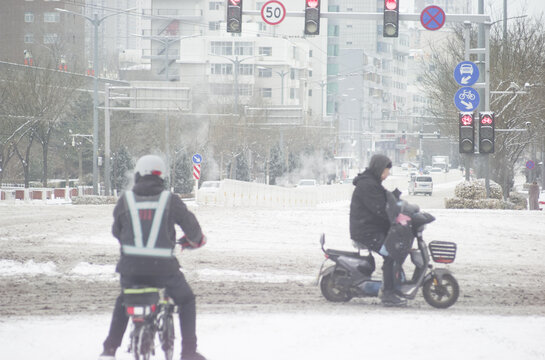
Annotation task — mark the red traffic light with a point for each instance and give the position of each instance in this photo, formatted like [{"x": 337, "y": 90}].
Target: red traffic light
[
  {"x": 486, "y": 120},
  {"x": 390, "y": 4},
  {"x": 467, "y": 120},
  {"x": 313, "y": 3},
  {"x": 234, "y": 2}
]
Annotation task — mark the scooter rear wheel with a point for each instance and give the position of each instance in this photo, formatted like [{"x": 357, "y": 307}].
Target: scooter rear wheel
[
  {"x": 442, "y": 294},
  {"x": 331, "y": 292}
]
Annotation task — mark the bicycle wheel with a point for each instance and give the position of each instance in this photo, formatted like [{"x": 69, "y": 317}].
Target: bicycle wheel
[
  {"x": 166, "y": 335},
  {"x": 143, "y": 343}
]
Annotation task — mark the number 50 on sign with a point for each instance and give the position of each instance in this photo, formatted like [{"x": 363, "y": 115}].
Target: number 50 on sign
[{"x": 273, "y": 12}]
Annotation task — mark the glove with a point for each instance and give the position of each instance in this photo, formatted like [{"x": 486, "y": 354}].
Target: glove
[{"x": 187, "y": 244}]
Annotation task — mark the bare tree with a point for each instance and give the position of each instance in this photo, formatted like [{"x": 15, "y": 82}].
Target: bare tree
[{"x": 515, "y": 61}]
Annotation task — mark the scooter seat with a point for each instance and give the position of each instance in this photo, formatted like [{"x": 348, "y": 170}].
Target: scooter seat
[{"x": 334, "y": 252}]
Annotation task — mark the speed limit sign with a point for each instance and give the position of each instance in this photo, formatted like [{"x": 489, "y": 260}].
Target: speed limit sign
[{"x": 273, "y": 12}]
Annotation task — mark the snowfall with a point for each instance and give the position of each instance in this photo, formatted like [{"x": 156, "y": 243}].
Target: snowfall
[{"x": 255, "y": 285}]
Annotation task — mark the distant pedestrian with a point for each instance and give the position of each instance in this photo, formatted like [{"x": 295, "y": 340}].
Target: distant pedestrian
[{"x": 533, "y": 194}]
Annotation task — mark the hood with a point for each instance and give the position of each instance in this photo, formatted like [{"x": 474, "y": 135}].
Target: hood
[{"x": 376, "y": 166}]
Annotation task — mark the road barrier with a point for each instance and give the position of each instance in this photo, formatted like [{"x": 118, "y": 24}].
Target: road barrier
[
  {"x": 43, "y": 194},
  {"x": 240, "y": 193}
]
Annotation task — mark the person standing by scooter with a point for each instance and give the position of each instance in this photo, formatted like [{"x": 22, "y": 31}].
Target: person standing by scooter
[
  {"x": 369, "y": 221},
  {"x": 144, "y": 220}
]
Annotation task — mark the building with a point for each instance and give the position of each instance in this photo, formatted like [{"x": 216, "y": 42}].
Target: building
[{"x": 33, "y": 32}]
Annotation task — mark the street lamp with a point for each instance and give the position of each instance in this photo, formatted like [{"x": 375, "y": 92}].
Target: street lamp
[
  {"x": 236, "y": 62},
  {"x": 280, "y": 73},
  {"x": 95, "y": 21}
]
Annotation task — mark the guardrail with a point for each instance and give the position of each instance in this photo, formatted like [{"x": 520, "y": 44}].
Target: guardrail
[
  {"x": 239, "y": 193},
  {"x": 17, "y": 193}
]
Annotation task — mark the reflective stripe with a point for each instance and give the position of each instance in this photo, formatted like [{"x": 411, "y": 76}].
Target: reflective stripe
[
  {"x": 142, "y": 251},
  {"x": 157, "y": 220},
  {"x": 159, "y": 207},
  {"x": 136, "y": 227},
  {"x": 140, "y": 291}
]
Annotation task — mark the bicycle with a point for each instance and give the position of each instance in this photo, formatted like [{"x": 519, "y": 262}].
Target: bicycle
[{"x": 150, "y": 310}]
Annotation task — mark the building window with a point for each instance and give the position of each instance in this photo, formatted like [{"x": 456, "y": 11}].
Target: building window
[
  {"x": 244, "y": 48},
  {"x": 214, "y": 25},
  {"x": 309, "y": 92},
  {"x": 246, "y": 69},
  {"x": 50, "y": 38},
  {"x": 221, "y": 69},
  {"x": 214, "y": 5},
  {"x": 310, "y": 73},
  {"x": 333, "y": 30},
  {"x": 292, "y": 93},
  {"x": 245, "y": 90},
  {"x": 52, "y": 17},
  {"x": 265, "y": 72},
  {"x": 29, "y": 17},
  {"x": 292, "y": 74},
  {"x": 221, "y": 89},
  {"x": 221, "y": 47},
  {"x": 266, "y": 92},
  {"x": 29, "y": 38},
  {"x": 265, "y": 51},
  {"x": 310, "y": 53},
  {"x": 262, "y": 26}
]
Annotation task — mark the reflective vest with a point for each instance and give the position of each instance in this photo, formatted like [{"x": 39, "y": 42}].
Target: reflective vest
[{"x": 157, "y": 243}]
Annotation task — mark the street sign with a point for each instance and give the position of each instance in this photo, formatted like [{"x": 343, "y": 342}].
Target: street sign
[
  {"x": 196, "y": 171},
  {"x": 466, "y": 73},
  {"x": 467, "y": 99},
  {"x": 273, "y": 12},
  {"x": 530, "y": 164},
  {"x": 197, "y": 159},
  {"x": 433, "y": 18}
]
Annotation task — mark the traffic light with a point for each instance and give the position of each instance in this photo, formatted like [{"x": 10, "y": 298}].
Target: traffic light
[
  {"x": 312, "y": 17},
  {"x": 391, "y": 18},
  {"x": 234, "y": 16},
  {"x": 467, "y": 133},
  {"x": 486, "y": 132}
]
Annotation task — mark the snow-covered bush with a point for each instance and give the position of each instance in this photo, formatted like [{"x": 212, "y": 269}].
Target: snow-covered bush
[
  {"x": 517, "y": 201},
  {"x": 93, "y": 200},
  {"x": 472, "y": 195}
]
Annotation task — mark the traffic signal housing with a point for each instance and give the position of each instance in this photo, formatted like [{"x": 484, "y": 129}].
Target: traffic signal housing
[
  {"x": 466, "y": 124},
  {"x": 486, "y": 132},
  {"x": 312, "y": 17},
  {"x": 234, "y": 16},
  {"x": 390, "y": 26}
]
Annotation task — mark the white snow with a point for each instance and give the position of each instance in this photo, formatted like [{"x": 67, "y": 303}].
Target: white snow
[{"x": 354, "y": 330}]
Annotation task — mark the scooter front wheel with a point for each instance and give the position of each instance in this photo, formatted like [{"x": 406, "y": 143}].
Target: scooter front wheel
[
  {"x": 441, "y": 294},
  {"x": 330, "y": 290}
]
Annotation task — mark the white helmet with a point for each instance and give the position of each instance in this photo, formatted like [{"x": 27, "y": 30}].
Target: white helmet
[{"x": 150, "y": 165}]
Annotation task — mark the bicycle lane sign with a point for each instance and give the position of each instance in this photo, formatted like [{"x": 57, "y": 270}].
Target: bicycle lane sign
[{"x": 467, "y": 99}]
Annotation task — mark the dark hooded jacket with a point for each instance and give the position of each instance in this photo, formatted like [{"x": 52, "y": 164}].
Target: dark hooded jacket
[
  {"x": 368, "y": 217},
  {"x": 176, "y": 212}
]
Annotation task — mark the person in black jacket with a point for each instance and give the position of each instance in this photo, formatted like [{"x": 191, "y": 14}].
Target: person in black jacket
[
  {"x": 369, "y": 221},
  {"x": 144, "y": 221}
]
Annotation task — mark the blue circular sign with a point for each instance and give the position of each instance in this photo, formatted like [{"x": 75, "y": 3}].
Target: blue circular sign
[
  {"x": 197, "y": 159},
  {"x": 433, "y": 18},
  {"x": 466, "y": 73},
  {"x": 467, "y": 99},
  {"x": 530, "y": 164}
]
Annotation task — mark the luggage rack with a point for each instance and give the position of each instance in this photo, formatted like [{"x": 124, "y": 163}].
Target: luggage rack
[{"x": 443, "y": 252}]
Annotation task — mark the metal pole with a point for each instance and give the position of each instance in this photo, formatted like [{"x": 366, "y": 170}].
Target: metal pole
[
  {"x": 107, "y": 182},
  {"x": 167, "y": 122},
  {"x": 236, "y": 64},
  {"x": 467, "y": 40},
  {"x": 504, "y": 20},
  {"x": 95, "y": 23}
]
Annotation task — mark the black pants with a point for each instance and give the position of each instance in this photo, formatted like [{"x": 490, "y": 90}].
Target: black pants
[
  {"x": 178, "y": 289},
  {"x": 388, "y": 274}
]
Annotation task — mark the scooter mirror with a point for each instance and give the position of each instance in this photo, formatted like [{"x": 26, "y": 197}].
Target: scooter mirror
[{"x": 322, "y": 240}]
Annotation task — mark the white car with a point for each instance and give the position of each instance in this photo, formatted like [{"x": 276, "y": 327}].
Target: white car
[
  {"x": 307, "y": 182},
  {"x": 421, "y": 184},
  {"x": 210, "y": 186}
]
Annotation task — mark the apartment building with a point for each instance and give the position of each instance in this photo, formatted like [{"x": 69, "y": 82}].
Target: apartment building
[{"x": 33, "y": 32}]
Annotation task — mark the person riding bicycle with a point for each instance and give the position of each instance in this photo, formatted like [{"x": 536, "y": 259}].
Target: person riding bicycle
[
  {"x": 369, "y": 220},
  {"x": 144, "y": 224}
]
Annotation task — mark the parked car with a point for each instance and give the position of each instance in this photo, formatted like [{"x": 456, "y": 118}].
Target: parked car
[
  {"x": 421, "y": 185},
  {"x": 210, "y": 186},
  {"x": 307, "y": 183}
]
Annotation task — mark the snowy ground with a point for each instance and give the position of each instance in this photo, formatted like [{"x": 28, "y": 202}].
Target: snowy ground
[{"x": 254, "y": 282}]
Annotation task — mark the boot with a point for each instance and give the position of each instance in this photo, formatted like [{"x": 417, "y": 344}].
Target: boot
[
  {"x": 107, "y": 354},
  {"x": 390, "y": 299},
  {"x": 194, "y": 356}
]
